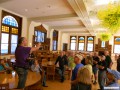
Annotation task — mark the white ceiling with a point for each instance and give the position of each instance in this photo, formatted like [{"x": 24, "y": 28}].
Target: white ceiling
[{"x": 69, "y": 16}]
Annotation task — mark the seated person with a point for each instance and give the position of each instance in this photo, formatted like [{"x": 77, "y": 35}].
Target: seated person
[
  {"x": 112, "y": 77},
  {"x": 36, "y": 67},
  {"x": 5, "y": 66},
  {"x": 31, "y": 59}
]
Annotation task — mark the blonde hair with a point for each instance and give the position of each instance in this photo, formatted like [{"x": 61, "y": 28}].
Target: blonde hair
[{"x": 84, "y": 76}]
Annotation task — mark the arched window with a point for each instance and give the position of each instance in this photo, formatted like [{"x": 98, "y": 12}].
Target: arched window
[
  {"x": 90, "y": 43},
  {"x": 9, "y": 20},
  {"x": 73, "y": 42},
  {"x": 116, "y": 44},
  {"x": 10, "y": 32},
  {"x": 81, "y": 43}
]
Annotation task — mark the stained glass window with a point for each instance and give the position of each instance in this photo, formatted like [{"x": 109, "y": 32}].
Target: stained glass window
[
  {"x": 73, "y": 42},
  {"x": 90, "y": 43},
  {"x": 9, "y": 20},
  {"x": 81, "y": 43},
  {"x": 10, "y": 32},
  {"x": 117, "y": 45}
]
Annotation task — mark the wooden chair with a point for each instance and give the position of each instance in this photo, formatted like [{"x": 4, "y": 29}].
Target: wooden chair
[
  {"x": 50, "y": 71},
  {"x": 68, "y": 72},
  {"x": 2, "y": 72},
  {"x": 44, "y": 62},
  {"x": 4, "y": 86}
]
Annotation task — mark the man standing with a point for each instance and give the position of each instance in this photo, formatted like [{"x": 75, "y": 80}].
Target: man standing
[
  {"x": 108, "y": 59},
  {"x": 62, "y": 63},
  {"x": 21, "y": 66},
  {"x": 95, "y": 69}
]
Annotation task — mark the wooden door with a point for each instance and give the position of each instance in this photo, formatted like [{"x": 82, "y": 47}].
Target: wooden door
[{"x": 65, "y": 46}]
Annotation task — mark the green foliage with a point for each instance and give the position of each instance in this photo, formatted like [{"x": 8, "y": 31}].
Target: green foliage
[
  {"x": 105, "y": 36},
  {"x": 110, "y": 17}
]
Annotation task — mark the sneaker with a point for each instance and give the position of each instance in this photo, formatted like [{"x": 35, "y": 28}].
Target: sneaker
[{"x": 45, "y": 86}]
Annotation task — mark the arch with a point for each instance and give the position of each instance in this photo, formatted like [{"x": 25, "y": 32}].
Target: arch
[{"x": 9, "y": 20}]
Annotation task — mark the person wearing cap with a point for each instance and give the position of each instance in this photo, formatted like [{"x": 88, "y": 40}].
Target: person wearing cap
[
  {"x": 102, "y": 72},
  {"x": 112, "y": 77},
  {"x": 77, "y": 61}
]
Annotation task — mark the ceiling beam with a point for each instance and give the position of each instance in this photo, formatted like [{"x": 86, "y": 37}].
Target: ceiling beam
[
  {"x": 55, "y": 18},
  {"x": 68, "y": 27},
  {"x": 80, "y": 9},
  {"x": 3, "y": 1}
]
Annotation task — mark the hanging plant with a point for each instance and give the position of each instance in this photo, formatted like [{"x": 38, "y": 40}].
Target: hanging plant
[
  {"x": 110, "y": 17},
  {"x": 105, "y": 36}
]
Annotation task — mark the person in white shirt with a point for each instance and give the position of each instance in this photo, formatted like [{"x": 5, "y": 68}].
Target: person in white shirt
[{"x": 36, "y": 67}]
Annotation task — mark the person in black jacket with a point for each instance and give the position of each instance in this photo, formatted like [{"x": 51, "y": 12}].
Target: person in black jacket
[
  {"x": 62, "y": 59},
  {"x": 94, "y": 66},
  {"x": 118, "y": 64},
  {"x": 102, "y": 65},
  {"x": 108, "y": 59}
]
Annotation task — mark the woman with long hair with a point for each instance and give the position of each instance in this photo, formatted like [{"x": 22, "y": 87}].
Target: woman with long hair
[{"x": 84, "y": 79}]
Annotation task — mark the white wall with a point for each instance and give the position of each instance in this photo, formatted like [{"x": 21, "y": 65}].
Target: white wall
[{"x": 65, "y": 38}]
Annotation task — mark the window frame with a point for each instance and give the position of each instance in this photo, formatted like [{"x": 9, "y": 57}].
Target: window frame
[
  {"x": 87, "y": 43},
  {"x": 55, "y": 38},
  {"x": 78, "y": 43},
  {"x": 75, "y": 42},
  {"x": 115, "y": 44},
  {"x": 19, "y": 21}
]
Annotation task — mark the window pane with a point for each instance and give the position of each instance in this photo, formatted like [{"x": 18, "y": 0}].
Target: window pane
[
  {"x": 117, "y": 49},
  {"x": 54, "y": 45},
  {"x": 9, "y": 20},
  {"x": 13, "y": 47},
  {"x": 81, "y": 46},
  {"x": 4, "y": 48},
  {"x": 73, "y": 38},
  {"x": 35, "y": 33},
  {"x": 14, "y": 39},
  {"x": 103, "y": 44},
  {"x": 72, "y": 46},
  {"x": 42, "y": 37},
  {"x": 5, "y": 37},
  {"x": 39, "y": 36},
  {"x": 90, "y": 39},
  {"x": 14, "y": 31},
  {"x": 5, "y": 29},
  {"x": 72, "y": 41},
  {"x": 90, "y": 47}
]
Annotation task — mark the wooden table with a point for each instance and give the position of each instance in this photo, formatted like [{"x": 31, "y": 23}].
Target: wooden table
[{"x": 32, "y": 78}]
